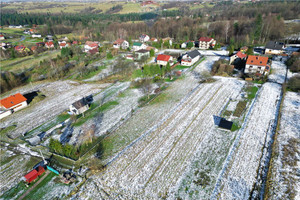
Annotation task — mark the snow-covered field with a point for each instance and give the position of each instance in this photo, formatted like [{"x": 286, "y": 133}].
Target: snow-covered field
[
  {"x": 59, "y": 96},
  {"x": 278, "y": 72},
  {"x": 154, "y": 164},
  {"x": 214, "y": 52},
  {"x": 247, "y": 156},
  {"x": 285, "y": 180}
]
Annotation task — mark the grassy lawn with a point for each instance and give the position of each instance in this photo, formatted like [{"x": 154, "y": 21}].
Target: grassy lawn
[
  {"x": 240, "y": 108},
  {"x": 180, "y": 67},
  {"x": 251, "y": 91},
  {"x": 28, "y": 61},
  {"x": 18, "y": 190}
]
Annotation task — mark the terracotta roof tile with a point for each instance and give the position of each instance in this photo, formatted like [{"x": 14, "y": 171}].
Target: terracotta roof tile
[
  {"x": 12, "y": 100},
  {"x": 257, "y": 60}
]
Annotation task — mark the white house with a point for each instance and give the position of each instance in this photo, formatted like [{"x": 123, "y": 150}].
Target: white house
[
  {"x": 144, "y": 38},
  {"x": 142, "y": 53},
  {"x": 138, "y": 46},
  {"x": 190, "y": 58},
  {"x": 2, "y": 37},
  {"x": 257, "y": 65},
  {"x": 163, "y": 59},
  {"x": 89, "y": 45},
  {"x": 206, "y": 42},
  {"x": 274, "y": 48},
  {"x": 36, "y": 35},
  {"x": 79, "y": 106},
  {"x": 14, "y": 103},
  {"x": 239, "y": 55},
  {"x": 120, "y": 43},
  {"x": 63, "y": 44}
]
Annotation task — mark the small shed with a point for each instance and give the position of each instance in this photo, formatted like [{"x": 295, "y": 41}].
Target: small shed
[
  {"x": 40, "y": 170},
  {"x": 80, "y": 106},
  {"x": 222, "y": 122},
  {"x": 31, "y": 176}
]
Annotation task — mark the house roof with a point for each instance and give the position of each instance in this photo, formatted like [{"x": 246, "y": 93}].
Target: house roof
[
  {"x": 225, "y": 124},
  {"x": 163, "y": 57},
  {"x": 33, "y": 48},
  {"x": 193, "y": 54},
  {"x": 49, "y": 43},
  {"x": 257, "y": 60},
  {"x": 31, "y": 174},
  {"x": 142, "y": 51},
  {"x": 21, "y": 47},
  {"x": 137, "y": 44},
  {"x": 205, "y": 39},
  {"x": 119, "y": 41},
  {"x": 62, "y": 44},
  {"x": 275, "y": 45},
  {"x": 143, "y": 36},
  {"x": 12, "y": 100},
  {"x": 241, "y": 55},
  {"x": 80, "y": 103},
  {"x": 1, "y": 35}
]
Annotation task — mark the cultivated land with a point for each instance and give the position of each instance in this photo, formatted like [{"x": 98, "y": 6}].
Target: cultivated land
[{"x": 284, "y": 178}]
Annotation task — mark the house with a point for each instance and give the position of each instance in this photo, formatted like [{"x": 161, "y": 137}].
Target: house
[
  {"x": 63, "y": 45},
  {"x": 93, "y": 51},
  {"x": 129, "y": 57},
  {"x": 206, "y": 42},
  {"x": 49, "y": 45},
  {"x": 5, "y": 46},
  {"x": 36, "y": 35},
  {"x": 142, "y": 53},
  {"x": 163, "y": 59},
  {"x": 49, "y": 38},
  {"x": 34, "y": 174},
  {"x": 31, "y": 176},
  {"x": 26, "y": 31},
  {"x": 80, "y": 106},
  {"x": 121, "y": 43},
  {"x": 40, "y": 44},
  {"x": 237, "y": 57},
  {"x": 89, "y": 45},
  {"x": 20, "y": 48},
  {"x": 33, "y": 48},
  {"x": 154, "y": 40},
  {"x": 15, "y": 102},
  {"x": 19, "y": 26},
  {"x": 274, "y": 48},
  {"x": 144, "y": 38},
  {"x": 2, "y": 37},
  {"x": 75, "y": 42},
  {"x": 138, "y": 46},
  {"x": 257, "y": 64},
  {"x": 150, "y": 48},
  {"x": 190, "y": 58}
]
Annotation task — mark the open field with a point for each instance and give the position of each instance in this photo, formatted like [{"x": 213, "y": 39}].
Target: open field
[
  {"x": 241, "y": 174},
  {"x": 284, "y": 174},
  {"x": 72, "y": 7},
  {"x": 163, "y": 154},
  {"x": 28, "y": 61}
]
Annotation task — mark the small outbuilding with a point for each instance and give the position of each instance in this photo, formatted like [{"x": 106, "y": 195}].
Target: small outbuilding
[
  {"x": 81, "y": 105},
  {"x": 222, "y": 122},
  {"x": 31, "y": 176}
]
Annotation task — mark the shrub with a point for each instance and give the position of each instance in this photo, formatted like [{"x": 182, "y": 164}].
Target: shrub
[{"x": 294, "y": 83}]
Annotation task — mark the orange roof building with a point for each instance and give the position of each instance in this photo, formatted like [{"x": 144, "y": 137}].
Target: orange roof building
[
  {"x": 163, "y": 59},
  {"x": 257, "y": 64},
  {"x": 14, "y": 102}
]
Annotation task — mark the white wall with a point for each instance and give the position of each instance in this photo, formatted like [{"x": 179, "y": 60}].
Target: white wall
[{"x": 19, "y": 106}]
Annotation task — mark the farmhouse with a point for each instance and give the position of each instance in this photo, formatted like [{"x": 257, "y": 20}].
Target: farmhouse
[
  {"x": 257, "y": 64},
  {"x": 36, "y": 35},
  {"x": 121, "y": 43},
  {"x": 89, "y": 45},
  {"x": 49, "y": 45},
  {"x": 237, "y": 57},
  {"x": 206, "y": 42},
  {"x": 79, "y": 106},
  {"x": 138, "y": 46},
  {"x": 142, "y": 53},
  {"x": 163, "y": 59},
  {"x": 15, "y": 102},
  {"x": 190, "y": 58},
  {"x": 63, "y": 44},
  {"x": 144, "y": 38},
  {"x": 2, "y": 37},
  {"x": 274, "y": 48}
]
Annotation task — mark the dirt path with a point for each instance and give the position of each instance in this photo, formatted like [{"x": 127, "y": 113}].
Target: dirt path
[{"x": 36, "y": 184}]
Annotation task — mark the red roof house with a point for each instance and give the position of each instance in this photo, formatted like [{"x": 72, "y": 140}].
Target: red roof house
[
  {"x": 15, "y": 102},
  {"x": 40, "y": 170},
  {"x": 31, "y": 176},
  {"x": 49, "y": 44},
  {"x": 20, "y": 48},
  {"x": 206, "y": 42},
  {"x": 257, "y": 65},
  {"x": 163, "y": 59}
]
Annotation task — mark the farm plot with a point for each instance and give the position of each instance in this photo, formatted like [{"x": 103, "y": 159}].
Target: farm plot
[
  {"x": 59, "y": 95},
  {"x": 154, "y": 164},
  {"x": 284, "y": 176},
  {"x": 239, "y": 175},
  {"x": 14, "y": 164}
]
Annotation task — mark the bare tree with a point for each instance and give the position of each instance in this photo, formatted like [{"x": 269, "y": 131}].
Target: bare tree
[{"x": 146, "y": 86}]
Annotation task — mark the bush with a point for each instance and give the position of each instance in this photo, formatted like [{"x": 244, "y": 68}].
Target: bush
[{"x": 294, "y": 83}]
